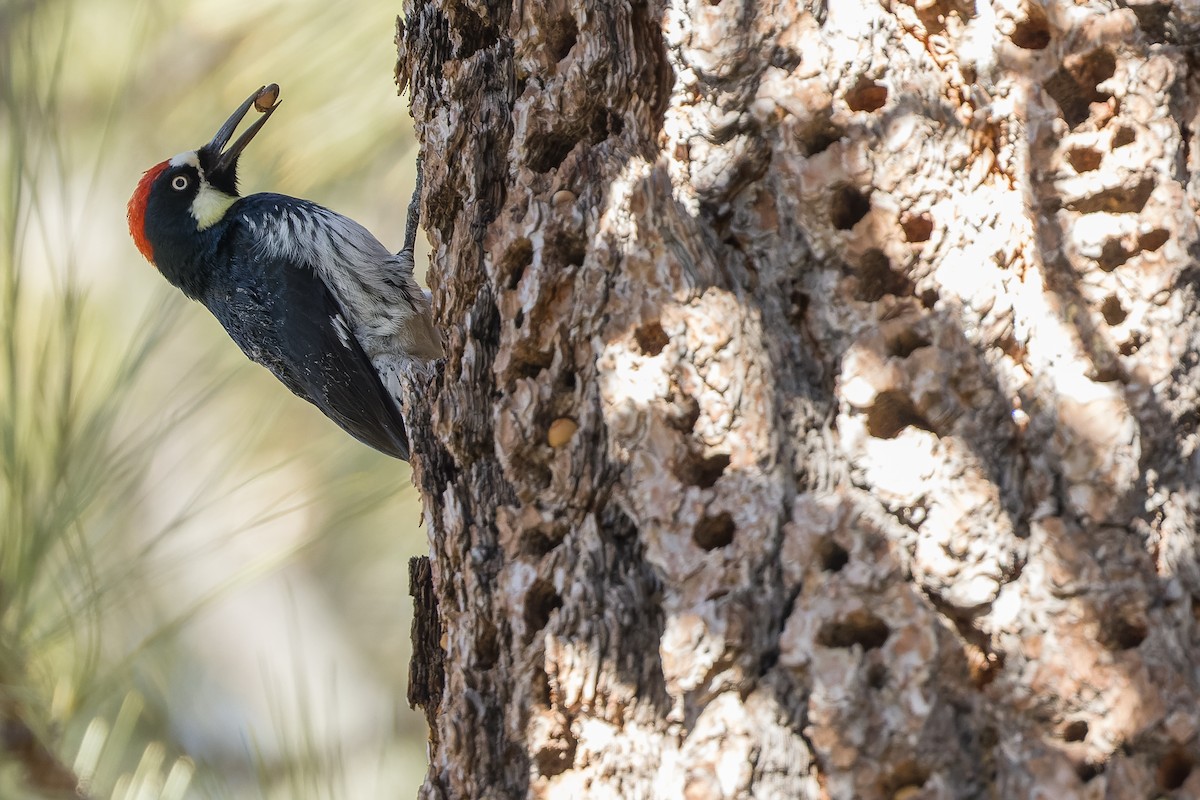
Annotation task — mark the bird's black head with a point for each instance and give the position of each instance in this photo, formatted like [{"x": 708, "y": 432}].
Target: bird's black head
[{"x": 178, "y": 199}]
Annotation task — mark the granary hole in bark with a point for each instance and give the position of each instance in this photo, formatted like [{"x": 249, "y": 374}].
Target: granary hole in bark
[
  {"x": 568, "y": 249},
  {"x": 562, "y": 37},
  {"x": 1088, "y": 770},
  {"x": 859, "y": 627},
  {"x": 591, "y": 123},
  {"x": 1124, "y": 199},
  {"x": 528, "y": 361},
  {"x": 1152, "y": 19},
  {"x": 657, "y": 72},
  {"x": 537, "y": 542},
  {"x": 891, "y": 413},
  {"x": 1124, "y": 135},
  {"x": 1095, "y": 68},
  {"x": 817, "y": 135},
  {"x": 1084, "y": 159},
  {"x": 1132, "y": 344},
  {"x": 475, "y": 33},
  {"x": 487, "y": 646},
  {"x": 540, "y": 601},
  {"x": 917, "y": 227},
  {"x": 515, "y": 261},
  {"x": 867, "y": 95},
  {"x": 876, "y": 277},
  {"x": 547, "y": 150},
  {"x": 701, "y": 471},
  {"x": 908, "y": 775},
  {"x": 614, "y": 123},
  {"x": 877, "y": 675},
  {"x": 1073, "y": 86},
  {"x": 912, "y": 516},
  {"x": 1122, "y": 633},
  {"x": 1111, "y": 308},
  {"x": 603, "y": 123},
  {"x": 651, "y": 338},
  {"x": 557, "y": 755},
  {"x": 485, "y": 314},
  {"x": 905, "y": 342},
  {"x": 1075, "y": 731},
  {"x": 539, "y": 689},
  {"x": 715, "y": 531},
  {"x": 682, "y": 415},
  {"x": 1153, "y": 240},
  {"x": 1174, "y": 769},
  {"x": 1033, "y": 32},
  {"x": 831, "y": 555},
  {"x": 1112, "y": 255},
  {"x": 847, "y": 206}
]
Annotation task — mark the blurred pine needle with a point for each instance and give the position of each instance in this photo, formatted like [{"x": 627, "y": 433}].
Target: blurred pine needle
[
  {"x": 81, "y": 448},
  {"x": 69, "y": 467}
]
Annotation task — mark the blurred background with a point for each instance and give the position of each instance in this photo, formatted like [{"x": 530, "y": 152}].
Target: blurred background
[{"x": 203, "y": 583}]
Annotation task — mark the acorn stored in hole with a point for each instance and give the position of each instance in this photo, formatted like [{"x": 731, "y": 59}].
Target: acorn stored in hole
[{"x": 561, "y": 431}]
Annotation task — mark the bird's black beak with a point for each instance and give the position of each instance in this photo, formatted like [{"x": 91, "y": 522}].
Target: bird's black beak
[{"x": 222, "y": 163}]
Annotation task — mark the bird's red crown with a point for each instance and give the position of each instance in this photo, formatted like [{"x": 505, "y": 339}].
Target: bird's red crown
[{"x": 137, "y": 210}]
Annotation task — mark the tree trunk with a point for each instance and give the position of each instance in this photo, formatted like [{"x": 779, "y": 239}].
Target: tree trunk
[{"x": 817, "y": 416}]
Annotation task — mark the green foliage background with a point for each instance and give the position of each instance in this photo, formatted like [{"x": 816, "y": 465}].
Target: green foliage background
[{"x": 203, "y": 586}]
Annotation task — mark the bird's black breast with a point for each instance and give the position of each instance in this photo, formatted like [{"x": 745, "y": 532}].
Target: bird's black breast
[{"x": 284, "y": 317}]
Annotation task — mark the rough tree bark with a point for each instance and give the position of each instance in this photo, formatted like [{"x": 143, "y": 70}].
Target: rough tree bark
[{"x": 818, "y": 415}]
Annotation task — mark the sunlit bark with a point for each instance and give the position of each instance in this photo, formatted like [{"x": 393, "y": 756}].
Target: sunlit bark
[{"x": 818, "y": 415}]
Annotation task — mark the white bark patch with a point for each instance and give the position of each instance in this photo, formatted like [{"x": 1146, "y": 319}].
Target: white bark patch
[{"x": 690, "y": 645}]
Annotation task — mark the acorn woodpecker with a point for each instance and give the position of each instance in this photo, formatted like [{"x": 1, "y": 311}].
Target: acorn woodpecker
[{"x": 307, "y": 293}]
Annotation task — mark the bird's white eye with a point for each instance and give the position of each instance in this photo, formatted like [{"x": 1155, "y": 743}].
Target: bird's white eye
[{"x": 179, "y": 183}]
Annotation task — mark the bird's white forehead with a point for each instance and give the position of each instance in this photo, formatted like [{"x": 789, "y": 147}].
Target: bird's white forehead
[{"x": 190, "y": 158}]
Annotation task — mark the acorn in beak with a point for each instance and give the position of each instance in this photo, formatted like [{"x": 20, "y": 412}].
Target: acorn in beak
[{"x": 220, "y": 164}]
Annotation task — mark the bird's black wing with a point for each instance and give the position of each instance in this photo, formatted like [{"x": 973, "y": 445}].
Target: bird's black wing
[{"x": 284, "y": 317}]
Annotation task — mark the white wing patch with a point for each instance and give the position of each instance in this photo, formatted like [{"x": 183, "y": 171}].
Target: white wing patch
[
  {"x": 340, "y": 328},
  {"x": 385, "y": 309}
]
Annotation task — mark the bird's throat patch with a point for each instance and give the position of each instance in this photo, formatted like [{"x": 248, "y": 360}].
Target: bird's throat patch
[{"x": 210, "y": 205}]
